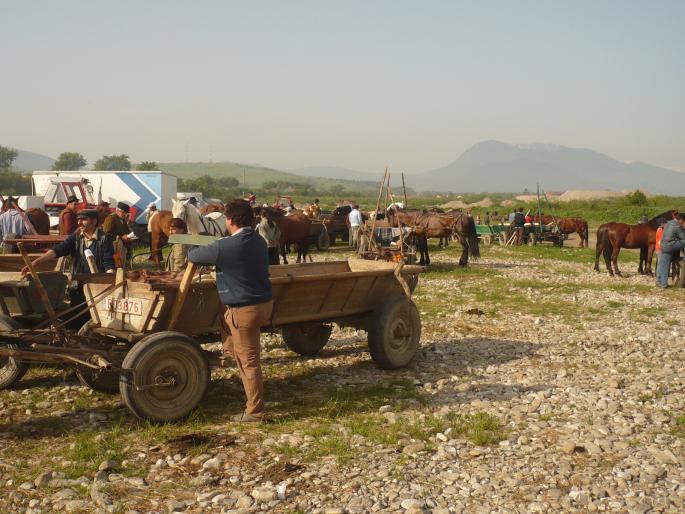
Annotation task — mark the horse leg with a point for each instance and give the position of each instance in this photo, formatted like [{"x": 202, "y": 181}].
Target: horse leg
[
  {"x": 283, "y": 253},
  {"x": 464, "y": 259},
  {"x": 599, "y": 250},
  {"x": 425, "y": 247},
  {"x": 648, "y": 261},
  {"x": 614, "y": 259}
]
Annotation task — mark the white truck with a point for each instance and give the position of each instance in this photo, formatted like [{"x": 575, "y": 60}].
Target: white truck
[{"x": 137, "y": 188}]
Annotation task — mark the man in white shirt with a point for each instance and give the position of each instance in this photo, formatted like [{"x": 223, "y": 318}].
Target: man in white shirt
[{"x": 355, "y": 219}]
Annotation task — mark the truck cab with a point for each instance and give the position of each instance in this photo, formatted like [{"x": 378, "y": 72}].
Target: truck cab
[{"x": 60, "y": 189}]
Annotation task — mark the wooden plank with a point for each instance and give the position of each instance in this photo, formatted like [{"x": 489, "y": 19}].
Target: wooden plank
[
  {"x": 92, "y": 305},
  {"x": 192, "y": 239}
]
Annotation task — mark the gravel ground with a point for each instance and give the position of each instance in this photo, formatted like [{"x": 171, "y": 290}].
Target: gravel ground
[{"x": 540, "y": 386}]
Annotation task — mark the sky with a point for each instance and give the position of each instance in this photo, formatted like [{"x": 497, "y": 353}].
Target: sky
[{"x": 356, "y": 84}]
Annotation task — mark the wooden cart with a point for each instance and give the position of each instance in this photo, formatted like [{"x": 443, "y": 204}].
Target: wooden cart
[{"x": 142, "y": 338}]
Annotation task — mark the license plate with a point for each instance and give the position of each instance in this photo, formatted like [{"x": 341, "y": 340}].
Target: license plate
[{"x": 123, "y": 305}]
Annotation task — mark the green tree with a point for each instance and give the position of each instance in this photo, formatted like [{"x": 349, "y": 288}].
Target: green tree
[
  {"x": 113, "y": 163},
  {"x": 7, "y": 156},
  {"x": 147, "y": 166},
  {"x": 637, "y": 198},
  {"x": 13, "y": 183},
  {"x": 69, "y": 161},
  {"x": 337, "y": 190}
]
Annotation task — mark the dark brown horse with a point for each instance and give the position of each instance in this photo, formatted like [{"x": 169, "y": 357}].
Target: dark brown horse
[
  {"x": 425, "y": 226},
  {"x": 294, "y": 230},
  {"x": 569, "y": 226},
  {"x": 611, "y": 237}
]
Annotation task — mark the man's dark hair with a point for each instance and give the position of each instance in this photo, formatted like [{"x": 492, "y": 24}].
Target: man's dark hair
[
  {"x": 240, "y": 212},
  {"x": 520, "y": 209},
  {"x": 680, "y": 216}
]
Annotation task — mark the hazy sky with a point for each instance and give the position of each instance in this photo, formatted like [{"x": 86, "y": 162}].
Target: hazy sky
[{"x": 360, "y": 84}]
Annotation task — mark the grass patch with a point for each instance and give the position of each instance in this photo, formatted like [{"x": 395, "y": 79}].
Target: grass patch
[
  {"x": 678, "y": 429},
  {"x": 90, "y": 448}
]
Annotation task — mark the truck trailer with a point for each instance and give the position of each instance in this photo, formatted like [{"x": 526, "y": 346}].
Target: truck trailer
[{"x": 137, "y": 188}]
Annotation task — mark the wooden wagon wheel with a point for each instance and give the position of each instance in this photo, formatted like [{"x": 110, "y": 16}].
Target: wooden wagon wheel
[
  {"x": 532, "y": 239},
  {"x": 307, "y": 339},
  {"x": 394, "y": 334},
  {"x": 487, "y": 240},
  {"x": 102, "y": 381},
  {"x": 323, "y": 240},
  {"x": 11, "y": 369},
  {"x": 169, "y": 375}
]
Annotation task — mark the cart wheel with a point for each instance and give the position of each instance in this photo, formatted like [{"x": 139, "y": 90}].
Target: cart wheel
[
  {"x": 532, "y": 239},
  {"x": 487, "y": 240},
  {"x": 323, "y": 240},
  {"x": 394, "y": 334},
  {"x": 502, "y": 238},
  {"x": 167, "y": 376},
  {"x": 306, "y": 339},
  {"x": 561, "y": 242},
  {"x": 100, "y": 381},
  {"x": 11, "y": 369},
  {"x": 332, "y": 238}
]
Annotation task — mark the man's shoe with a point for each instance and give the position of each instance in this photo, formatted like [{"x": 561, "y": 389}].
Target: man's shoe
[{"x": 244, "y": 417}]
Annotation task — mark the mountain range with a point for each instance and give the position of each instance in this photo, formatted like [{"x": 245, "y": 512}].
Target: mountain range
[{"x": 489, "y": 166}]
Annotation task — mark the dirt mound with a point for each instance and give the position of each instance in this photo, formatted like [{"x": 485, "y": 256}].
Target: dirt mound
[
  {"x": 578, "y": 194},
  {"x": 455, "y": 204},
  {"x": 485, "y": 202}
]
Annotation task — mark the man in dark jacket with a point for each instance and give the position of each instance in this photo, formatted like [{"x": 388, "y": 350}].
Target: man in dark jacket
[
  {"x": 519, "y": 223},
  {"x": 672, "y": 243},
  {"x": 116, "y": 225},
  {"x": 88, "y": 237},
  {"x": 67, "y": 217},
  {"x": 242, "y": 279}
]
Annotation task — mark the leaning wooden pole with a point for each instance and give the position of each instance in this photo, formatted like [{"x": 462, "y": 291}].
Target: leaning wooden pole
[
  {"x": 404, "y": 188},
  {"x": 372, "y": 239}
]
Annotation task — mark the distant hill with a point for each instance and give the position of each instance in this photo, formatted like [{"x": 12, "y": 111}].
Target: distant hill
[
  {"x": 255, "y": 175},
  {"x": 494, "y": 166},
  {"x": 338, "y": 173},
  {"x": 29, "y": 161}
]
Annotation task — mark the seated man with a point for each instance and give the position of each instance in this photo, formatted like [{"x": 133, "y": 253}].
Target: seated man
[
  {"x": 178, "y": 257},
  {"x": 88, "y": 237}
]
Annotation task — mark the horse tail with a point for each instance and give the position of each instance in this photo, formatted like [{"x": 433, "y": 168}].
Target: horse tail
[{"x": 474, "y": 249}]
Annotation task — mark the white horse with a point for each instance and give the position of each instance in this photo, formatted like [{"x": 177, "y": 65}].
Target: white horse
[{"x": 214, "y": 224}]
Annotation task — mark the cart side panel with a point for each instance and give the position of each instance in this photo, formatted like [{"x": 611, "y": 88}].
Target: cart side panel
[
  {"x": 131, "y": 322},
  {"x": 200, "y": 313}
]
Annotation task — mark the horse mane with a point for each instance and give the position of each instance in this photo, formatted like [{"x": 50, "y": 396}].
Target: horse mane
[{"x": 656, "y": 221}]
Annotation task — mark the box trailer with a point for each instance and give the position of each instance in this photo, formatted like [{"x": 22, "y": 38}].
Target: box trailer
[{"x": 137, "y": 188}]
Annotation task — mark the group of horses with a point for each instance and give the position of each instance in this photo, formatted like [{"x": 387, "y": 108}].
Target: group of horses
[{"x": 210, "y": 220}]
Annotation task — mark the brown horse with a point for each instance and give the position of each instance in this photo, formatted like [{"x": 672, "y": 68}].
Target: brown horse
[
  {"x": 569, "y": 226},
  {"x": 158, "y": 226},
  {"x": 211, "y": 207},
  {"x": 425, "y": 226},
  {"x": 294, "y": 229},
  {"x": 611, "y": 237}
]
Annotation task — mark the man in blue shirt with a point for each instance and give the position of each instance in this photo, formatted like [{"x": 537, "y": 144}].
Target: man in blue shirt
[
  {"x": 672, "y": 243},
  {"x": 242, "y": 279}
]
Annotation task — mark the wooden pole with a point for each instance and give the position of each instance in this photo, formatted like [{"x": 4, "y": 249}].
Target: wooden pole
[
  {"x": 41, "y": 292},
  {"x": 183, "y": 290},
  {"x": 378, "y": 204},
  {"x": 404, "y": 188}
]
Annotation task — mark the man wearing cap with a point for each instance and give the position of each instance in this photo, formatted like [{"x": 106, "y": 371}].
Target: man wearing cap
[
  {"x": 67, "y": 218},
  {"x": 87, "y": 237},
  {"x": 116, "y": 225}
]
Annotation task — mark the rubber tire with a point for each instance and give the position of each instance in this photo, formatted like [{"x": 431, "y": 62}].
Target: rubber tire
[
  {"x": 386, "y": 350},
  {"x": 323, "y": 240},
  {"x": 101, "y": 381},
  {"x": 11, "y": 369},
  {"x": 307, "y": 339},
  {"x": 332, "y": 238},
  {"x": 157, "y": 353}
]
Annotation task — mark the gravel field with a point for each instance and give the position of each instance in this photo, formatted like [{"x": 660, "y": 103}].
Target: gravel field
[{"x": 540, "y": 386}]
